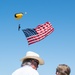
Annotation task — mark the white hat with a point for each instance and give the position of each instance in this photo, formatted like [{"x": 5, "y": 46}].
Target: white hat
[{"x": 33, "y": 55}]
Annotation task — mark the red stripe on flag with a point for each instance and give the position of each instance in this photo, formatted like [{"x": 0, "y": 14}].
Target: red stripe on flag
[{"x": 38, "y": 37}]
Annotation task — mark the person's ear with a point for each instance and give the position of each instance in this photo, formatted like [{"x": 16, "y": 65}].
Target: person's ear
[{"x": 57, "y": 73}]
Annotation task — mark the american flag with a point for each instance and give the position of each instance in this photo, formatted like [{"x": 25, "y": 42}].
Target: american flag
[{"x": 38, "y": 33}]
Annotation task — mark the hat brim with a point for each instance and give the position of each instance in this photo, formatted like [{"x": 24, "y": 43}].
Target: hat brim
[{"x": 41, "y": 62}]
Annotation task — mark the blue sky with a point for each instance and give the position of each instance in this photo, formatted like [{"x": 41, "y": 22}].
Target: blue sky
[{"x": 57, "y": 48}]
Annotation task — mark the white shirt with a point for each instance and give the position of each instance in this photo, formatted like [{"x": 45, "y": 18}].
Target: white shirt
[{"x": 25, "y": 70}]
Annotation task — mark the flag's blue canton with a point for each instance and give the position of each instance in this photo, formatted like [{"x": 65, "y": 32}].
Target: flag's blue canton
[{"x": 29, "y": 32}]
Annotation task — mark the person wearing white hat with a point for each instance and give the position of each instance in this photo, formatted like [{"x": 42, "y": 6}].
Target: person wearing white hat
[{"x": 29, "y": 64}]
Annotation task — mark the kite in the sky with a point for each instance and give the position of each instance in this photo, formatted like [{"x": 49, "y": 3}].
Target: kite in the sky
[
  {"x": 18, "y": 15},
  {"x": 38, "y": 33}
]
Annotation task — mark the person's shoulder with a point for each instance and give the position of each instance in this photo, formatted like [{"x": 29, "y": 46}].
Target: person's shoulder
[
  {"x": 31, "y": 71},
  {"x": 26, "y": 71},
  {"x": 35, "y": 72},
  {"x": 16, "y": 71}
]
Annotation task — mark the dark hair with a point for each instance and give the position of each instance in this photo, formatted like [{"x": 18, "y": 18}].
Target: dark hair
[
  {"x": 32, "y": 61},
  {"x": 63, "y": 69}
]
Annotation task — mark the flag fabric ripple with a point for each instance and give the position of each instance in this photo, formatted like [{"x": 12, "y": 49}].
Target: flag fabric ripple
[{"x": 38, "y": 33}]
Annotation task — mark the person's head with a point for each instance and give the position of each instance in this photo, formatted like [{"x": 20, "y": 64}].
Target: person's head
[
  {"x": 33, "y": 59},
  {"x": 63, "y": 69}
]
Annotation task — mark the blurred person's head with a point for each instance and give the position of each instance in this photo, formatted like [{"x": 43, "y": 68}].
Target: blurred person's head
[{"x": 63, "y": 69}]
